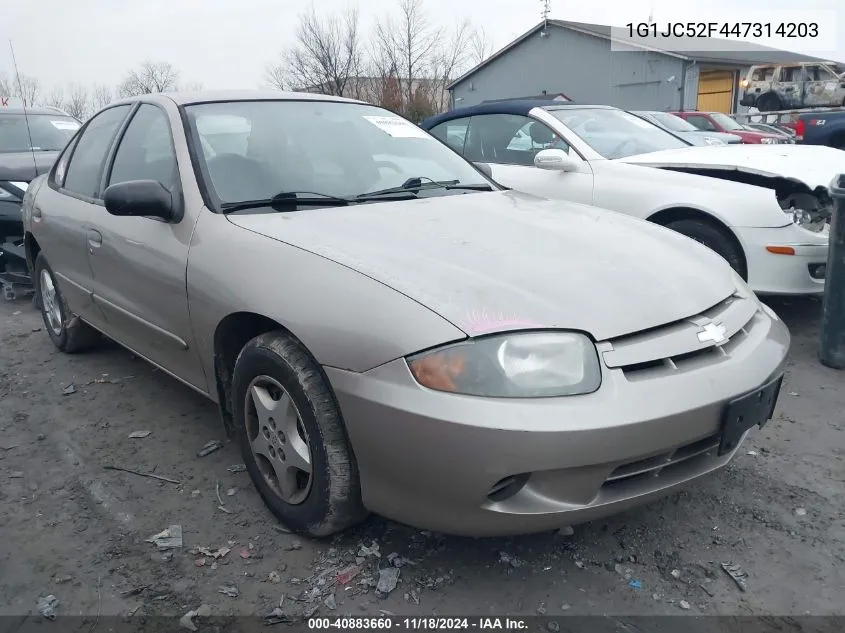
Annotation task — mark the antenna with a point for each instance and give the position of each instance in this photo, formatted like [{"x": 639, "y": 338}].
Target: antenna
[
  {"x": 547, "y": 9},
  {"x": 23, "y": 101}
]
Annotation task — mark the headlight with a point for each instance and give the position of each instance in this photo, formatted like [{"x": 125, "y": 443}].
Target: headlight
[{"x": 512, "y": 365}]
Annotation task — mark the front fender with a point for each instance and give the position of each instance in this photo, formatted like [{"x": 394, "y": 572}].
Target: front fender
[
  {"x": 642, "y": 191},
  {"x": 345, "y": 319}
]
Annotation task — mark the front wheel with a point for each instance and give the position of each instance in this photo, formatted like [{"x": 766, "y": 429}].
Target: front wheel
[
  {"x": 293, "y": 439},
  {"x": 68, "y": 333},
  {"x": 713, "y": 238}
]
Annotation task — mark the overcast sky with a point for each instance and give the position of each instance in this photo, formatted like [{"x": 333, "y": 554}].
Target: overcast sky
[{"x": 228, "y": 43}]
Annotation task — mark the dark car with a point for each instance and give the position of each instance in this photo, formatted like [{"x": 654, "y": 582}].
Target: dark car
[
  {"x": 821, "y": 128},
  {"x": 720, "y": 122},
  {"x": 30, "y": 141}
]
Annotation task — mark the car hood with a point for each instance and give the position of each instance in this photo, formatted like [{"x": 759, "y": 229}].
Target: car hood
[
  {"x": 813, "y": 165},
  {"x": 24, "y": 166},
  {"x": 502, "y": 261}
]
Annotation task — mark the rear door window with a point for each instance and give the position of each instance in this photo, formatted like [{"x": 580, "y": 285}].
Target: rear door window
[{"x": 89, "y": 156}]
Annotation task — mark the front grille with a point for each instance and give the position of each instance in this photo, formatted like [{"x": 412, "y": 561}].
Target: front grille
[
  {"x": 676, "y": 346},
  {"x": 664, "y": 464}
]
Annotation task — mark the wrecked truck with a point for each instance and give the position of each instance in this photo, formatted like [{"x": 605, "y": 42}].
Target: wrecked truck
[
  {"x": 804, "y": 85},
  {"x": 763, "y": 208}
]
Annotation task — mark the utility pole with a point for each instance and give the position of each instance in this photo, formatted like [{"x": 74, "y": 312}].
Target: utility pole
[{"x": 832, "y": 336}]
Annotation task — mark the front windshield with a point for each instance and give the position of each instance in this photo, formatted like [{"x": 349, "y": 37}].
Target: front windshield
[
  {"x": 616, "y": 133},
  {"x": 725, "y": 121},
  {"x": 674, "y": 123},
  {"x": 253, "y": 150},
  {"x": 49, "y": 132}
]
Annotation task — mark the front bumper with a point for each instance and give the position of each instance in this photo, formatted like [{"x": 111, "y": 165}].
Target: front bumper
[
  {"x": 430, "y": 459},
  {"x": 779, "y": 274}
]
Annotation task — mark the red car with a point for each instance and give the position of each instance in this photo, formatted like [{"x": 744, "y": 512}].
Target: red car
[{"x": 718, "y": 122}]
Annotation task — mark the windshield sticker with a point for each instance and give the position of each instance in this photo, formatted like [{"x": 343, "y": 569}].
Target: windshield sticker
[
  {"x": 65, "y": 125},
  {"x": 396, "y": 127}
]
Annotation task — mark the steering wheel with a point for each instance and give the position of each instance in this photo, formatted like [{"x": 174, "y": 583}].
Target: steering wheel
[
  {"x": 617, "y": 151},
  {"x": 389, "y": 164}
]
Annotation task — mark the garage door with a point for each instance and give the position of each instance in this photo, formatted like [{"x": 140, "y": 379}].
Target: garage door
[{"x": 716, "y": 91}]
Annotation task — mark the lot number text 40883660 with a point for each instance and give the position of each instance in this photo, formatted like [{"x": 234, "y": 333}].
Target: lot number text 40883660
[
  {"x": 422, "y": 623},
  {"x": 724, "y": 29}
]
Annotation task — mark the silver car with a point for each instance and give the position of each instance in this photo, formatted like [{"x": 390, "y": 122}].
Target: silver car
[
  {"x": 686, "y": 130},
  {"x": 387, "y": 330}
]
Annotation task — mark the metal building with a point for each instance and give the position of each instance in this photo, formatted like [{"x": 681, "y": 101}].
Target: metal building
[{"x": 575, "y": 58}]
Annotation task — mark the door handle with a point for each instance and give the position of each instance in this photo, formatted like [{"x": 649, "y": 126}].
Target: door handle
[
  {"x": 36, "y": 212},
  {"x": 95, "y": 240}
]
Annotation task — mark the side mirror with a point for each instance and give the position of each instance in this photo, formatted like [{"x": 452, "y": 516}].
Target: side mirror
[
  {"x": 485, "y": 169},
  {"x": 140, "y": 198},
  {"x": 555, "y": 159}
]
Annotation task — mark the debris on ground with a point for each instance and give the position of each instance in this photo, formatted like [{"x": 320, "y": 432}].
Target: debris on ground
[
  {"x": 171, "y": 538},
  {"x": 372, "y": 550},
  {"x": 579, "y": 564},
  {"x": 274, "y": 577},
  {"x": 388, "y": 578},
  {"x": 413, "y": 596},
  {"x": 47, "y": 606},
  {"x": 215, "y": 554},
  {"x": 553, "y": 626},
  {"x": 738, "y": 574},
  {"x": 684, "y": 605},
  {"x": 345, "y": 576},
  {"x": 707, "y": 590},
  {"x": 196, "y": 493},
  {"x": 139, "y": 435},
  {"x": 16, "y": 474},
  {"x": 209, "y": 448},
  {"x": 237, "y": 468},
  {"x": 200, "y": 562},
  {"x": 229, "y": 590},
  {"x": 676, "y": 574},
  {"x": 71, "y": 388},
  {"x": 566, "y": 530},
  {"x": 801, "y": 512},
  {"x": 635, "y": 584},
  {"x": 752, "y": 453},
  {"x": 277, "y": 616},
  {"x": 541, "y": 610},
  {"x": 187, "y": 620},
  {"x": 8, "y": 447},
  {"x": 231, "y": 492},
  {"x": 793, "y": 393},
  {"x": 508, "y": 559},
  {"x": 330, "y": 601},
  {"x": 293, "y": 545},
  {"x": 565, "y": 607},
  {"x": 245, "y": 553},
  {"x": 626, "y": 573},
  {"x": 140, "y": 474}
]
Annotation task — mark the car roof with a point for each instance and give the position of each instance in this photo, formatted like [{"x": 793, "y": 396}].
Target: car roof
[
  {"x": 212, "y": 96},
  {"x": 34, "y": 110},
  {"x": 507, "y": 106}
]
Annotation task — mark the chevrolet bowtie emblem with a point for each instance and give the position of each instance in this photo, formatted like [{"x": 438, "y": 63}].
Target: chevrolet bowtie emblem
[{"x": 713, "y": 333}]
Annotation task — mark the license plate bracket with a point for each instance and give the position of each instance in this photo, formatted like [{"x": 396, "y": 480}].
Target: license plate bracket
[{"x": 753, "y": 409}]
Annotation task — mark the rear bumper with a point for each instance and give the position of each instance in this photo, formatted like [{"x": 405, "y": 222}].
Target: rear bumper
[
  {"x": 770, "y": 273},
  {"x": 430, "y": 459}
]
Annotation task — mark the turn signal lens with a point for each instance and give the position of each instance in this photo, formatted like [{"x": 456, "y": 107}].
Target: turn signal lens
[
  {"x": 781, "y": 250},
  {"x": 439, "y": 370}
]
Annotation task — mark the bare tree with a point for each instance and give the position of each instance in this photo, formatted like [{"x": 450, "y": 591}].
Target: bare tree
[
  {"x": 449, "y": 58},
  {"x": 408, "y": 42},
  {"x": 100, "y": 97},
  {"x": 77, "y": 103},
  {"x": 56, "y": 98},
  {"x": 326, "y": 57},
  {"x": 26, "y": 88},
  {"x": 5, "y": 86},
  {"x": 149, "y": 78},
  {"x": 481, "y": 46}
]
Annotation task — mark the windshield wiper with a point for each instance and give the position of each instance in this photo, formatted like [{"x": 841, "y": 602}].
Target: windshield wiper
[
  {"x": 417, "y": 184},
  {"x": 288, "y": 201}
]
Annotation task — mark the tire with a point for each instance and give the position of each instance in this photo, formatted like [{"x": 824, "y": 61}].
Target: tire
[
  {"x": 768, "y": 103},
  {"x": 713, "y": 238},
  {"x": 67, "y": 331},
  {"x": 274, "y": 368}
]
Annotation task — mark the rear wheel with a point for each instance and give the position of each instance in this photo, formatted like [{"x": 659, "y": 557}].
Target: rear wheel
[
  {"x": 292, "y": 437},
  {"x": 713, "y": 238},
  {"x": 768, "y": 103},
  {"x": 67, "y": 331}
]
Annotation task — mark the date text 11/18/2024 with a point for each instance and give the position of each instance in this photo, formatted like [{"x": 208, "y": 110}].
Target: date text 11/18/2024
[
  {"x": 422, "y": 623},
  {"x": 724, "y": 29}
]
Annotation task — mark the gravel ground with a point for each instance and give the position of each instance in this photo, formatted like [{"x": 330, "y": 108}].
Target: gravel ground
[{"x": 73, "y": 529}]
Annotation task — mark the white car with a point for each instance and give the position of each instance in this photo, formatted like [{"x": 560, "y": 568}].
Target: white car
[{"x": 763, "y": 208}]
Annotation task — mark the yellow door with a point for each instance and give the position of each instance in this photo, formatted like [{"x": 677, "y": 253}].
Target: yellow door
[{"x": 716, "y": 91}]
